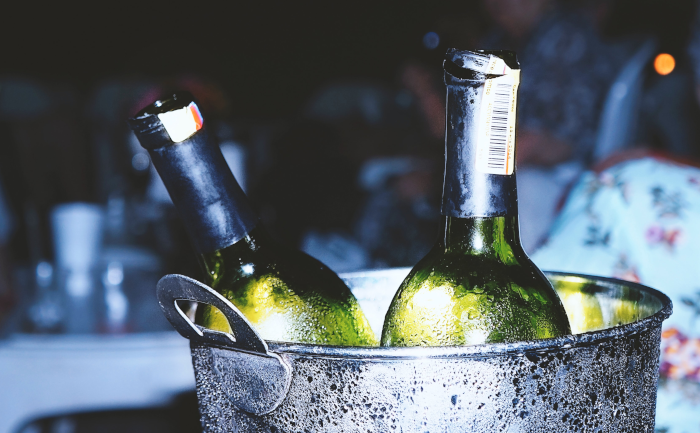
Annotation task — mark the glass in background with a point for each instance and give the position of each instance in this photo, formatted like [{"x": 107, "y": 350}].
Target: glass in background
[
  {"x": 77, "y": 238},
  {"x": 45, "y": 313}
]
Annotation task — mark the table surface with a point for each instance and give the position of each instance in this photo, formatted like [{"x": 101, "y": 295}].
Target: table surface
[{"x": 47, "y": 375}]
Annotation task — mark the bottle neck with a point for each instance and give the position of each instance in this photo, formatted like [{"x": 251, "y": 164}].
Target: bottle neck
[
  {"x": 472, "y": 144},
  {"x": 494, "y": 237},
  {"x": 212, "y": 205},
  {"x": 214, "y": 263}
]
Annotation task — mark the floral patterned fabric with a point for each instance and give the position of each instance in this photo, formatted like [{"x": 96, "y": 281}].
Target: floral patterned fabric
[{"x": 640, "y": 221}]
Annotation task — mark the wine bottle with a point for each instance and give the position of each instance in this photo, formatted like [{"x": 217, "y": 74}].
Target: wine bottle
[
  {"x": 477, "y": 285},
  {"x": 286, "y": 294}
]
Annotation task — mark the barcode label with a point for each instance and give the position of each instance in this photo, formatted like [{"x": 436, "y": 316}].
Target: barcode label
[{"x": 496, "y": 140}]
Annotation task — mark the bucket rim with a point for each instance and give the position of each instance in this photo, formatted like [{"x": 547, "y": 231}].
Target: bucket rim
[{"x": 491, "y": 350}]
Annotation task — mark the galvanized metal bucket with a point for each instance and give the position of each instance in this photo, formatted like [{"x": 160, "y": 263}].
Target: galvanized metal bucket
[{"x": 599, "y": 381}]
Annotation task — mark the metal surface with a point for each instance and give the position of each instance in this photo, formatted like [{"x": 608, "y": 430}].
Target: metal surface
[
  {"x": 253, "y": 379},
  {"x": 602, "y": 381}
]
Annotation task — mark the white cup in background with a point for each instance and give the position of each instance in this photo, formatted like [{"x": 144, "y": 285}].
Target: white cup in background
[{"x": 77, "y": 237}]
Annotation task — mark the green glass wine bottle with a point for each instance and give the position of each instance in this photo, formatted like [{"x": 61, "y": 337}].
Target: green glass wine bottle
[
  {"x": 286, "y": 294},
  {"x": 477, "y": 285}
]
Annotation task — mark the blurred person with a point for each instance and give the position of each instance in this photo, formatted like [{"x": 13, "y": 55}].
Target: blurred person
[
  {"x": 637, "y": 218},
  {"x": 567, "y": 71}
]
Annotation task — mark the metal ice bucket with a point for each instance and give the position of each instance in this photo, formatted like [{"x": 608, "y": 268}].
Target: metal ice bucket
[{"x": 598, "y": 381}]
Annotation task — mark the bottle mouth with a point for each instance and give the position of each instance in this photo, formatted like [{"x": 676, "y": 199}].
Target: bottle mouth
[
  {"x": 167, "y": 120},
  {"x": 462, "y": 73},
  {"x": 474, "y": 65},
  {"x": 508, "y": 56},
  {"x": 176, "y": 101}
]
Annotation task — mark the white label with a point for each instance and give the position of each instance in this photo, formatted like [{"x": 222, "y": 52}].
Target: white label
[
  {"x": 495, "y": 148},
  {"x": 183, "y": 123},
  {"x": 497, "y": 66},
  {"x": 485, "y": 63}
]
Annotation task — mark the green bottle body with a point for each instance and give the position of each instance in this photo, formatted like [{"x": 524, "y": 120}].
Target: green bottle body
[
  {"x": 286, "y": 294},
  {"x": 477, "y": 285}
]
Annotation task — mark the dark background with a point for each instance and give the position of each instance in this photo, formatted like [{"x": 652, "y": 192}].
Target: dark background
[{"x": 268, "y": 55}]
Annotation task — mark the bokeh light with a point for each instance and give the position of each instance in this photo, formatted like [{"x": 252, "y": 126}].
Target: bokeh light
[
  {"x": 664, "y": 64},
  {"x": 431, "y": 40}
]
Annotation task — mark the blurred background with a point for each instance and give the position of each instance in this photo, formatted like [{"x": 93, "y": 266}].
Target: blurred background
[{"x": 331, "y": 116}]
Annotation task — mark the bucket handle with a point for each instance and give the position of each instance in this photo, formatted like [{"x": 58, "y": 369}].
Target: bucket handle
[
  {"x": 256, "y": 384},
  {"x": 174, "y": 287}
]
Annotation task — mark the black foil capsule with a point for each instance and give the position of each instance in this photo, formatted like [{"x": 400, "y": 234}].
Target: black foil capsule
[
  {"x": 467, "y": 192},
  {"x": 209, "y": 200}
]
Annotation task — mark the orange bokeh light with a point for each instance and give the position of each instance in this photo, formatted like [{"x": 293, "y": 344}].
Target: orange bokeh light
[{"x": 664, "y": 64}]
